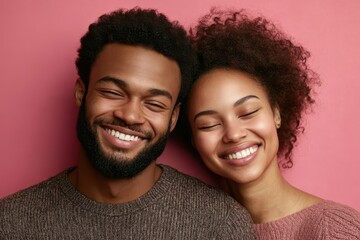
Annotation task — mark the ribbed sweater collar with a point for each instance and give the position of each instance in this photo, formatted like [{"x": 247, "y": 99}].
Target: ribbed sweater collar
[
  {"x": 159, "y": 190},
  {"x": 293, "y": 218}
]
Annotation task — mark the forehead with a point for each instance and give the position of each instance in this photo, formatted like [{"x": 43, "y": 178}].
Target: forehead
[
  {"x": 139, "y": 67},
  {"x": 221, "y": 87}
]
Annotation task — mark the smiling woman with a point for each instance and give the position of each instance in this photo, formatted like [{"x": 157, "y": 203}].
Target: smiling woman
[
  {"x": 244, "y": 110},
  {"x": 236, "y": 128}
]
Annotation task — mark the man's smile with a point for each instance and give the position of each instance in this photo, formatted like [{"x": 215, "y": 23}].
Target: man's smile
[{"x": 122, "y": 136}]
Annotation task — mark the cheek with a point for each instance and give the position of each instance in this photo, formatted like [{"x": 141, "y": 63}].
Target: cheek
[
  {"x": 159, "y": 122},
  {"x": 206, "y": 143},
  {"x": 96, "y": 107},
  {"x": 265, "y": 125},
  {"x": 266, "y": 130}
]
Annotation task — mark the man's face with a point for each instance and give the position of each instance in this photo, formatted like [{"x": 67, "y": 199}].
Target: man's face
[{"x": 128, "y": 110}]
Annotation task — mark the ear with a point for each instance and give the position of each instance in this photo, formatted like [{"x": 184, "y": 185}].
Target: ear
[
  {"x": 174, "y": 116},
  {"x": 79, "y": 92},
  {"x": 277, "y": 117}
]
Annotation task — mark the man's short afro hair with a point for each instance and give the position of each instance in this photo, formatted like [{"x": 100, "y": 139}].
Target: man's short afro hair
[{"x": 138, "y": 27}]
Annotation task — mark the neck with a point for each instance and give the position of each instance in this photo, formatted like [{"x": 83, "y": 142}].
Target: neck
[
  {"x": 99, "y": 188},
  {"x": 270, "y": 197}
]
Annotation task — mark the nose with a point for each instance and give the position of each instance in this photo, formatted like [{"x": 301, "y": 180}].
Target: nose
[
  {"x": 234, "y": 132},
  {"x": 130, "y": 112}
]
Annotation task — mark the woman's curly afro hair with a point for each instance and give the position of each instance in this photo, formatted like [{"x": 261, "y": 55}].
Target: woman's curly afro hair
[
  {"x": 232, "y": 39},
  {"x": 138, "y": 27}
]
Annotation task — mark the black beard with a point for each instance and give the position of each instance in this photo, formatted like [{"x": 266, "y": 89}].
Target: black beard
[{"x": 111, "y": 166}]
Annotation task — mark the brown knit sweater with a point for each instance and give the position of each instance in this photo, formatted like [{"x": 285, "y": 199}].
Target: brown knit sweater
[
  {"x": 325, "y": 220},
  {"x": 177, "y": 207}
]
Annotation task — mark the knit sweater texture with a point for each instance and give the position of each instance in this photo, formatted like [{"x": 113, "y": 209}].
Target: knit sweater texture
[
  {"x": 177, "y": 207},
  {"x": 325, "y": 220}
]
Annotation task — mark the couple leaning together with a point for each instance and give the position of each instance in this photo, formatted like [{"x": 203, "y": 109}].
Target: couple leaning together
[{"x": 243, "y": 87}]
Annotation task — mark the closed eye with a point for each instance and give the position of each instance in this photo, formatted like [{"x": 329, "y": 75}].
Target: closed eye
[
  {"x": 110, "y": 93},
  {"x": 208, "y": 127},
  {"x": 249, "y": 114},
  {"x": 156, "y": 106}
]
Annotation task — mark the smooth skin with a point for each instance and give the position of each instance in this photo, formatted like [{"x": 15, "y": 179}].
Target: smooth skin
[
  {"x": 138, "y": 87},
  {"x": 234, "y": 129}
]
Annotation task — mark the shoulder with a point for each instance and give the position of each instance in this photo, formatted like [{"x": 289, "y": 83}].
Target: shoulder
[
  {"x": 336, "y": 211},
  {"x": 192, "y": 187},
  {"x": 212, "y": 202},
  {"x": 30, "y": 198},
  {"x": 340, "y": 221},
  {"x": 23, "y": 210}
]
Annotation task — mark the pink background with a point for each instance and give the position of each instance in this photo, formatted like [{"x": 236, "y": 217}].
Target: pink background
[{"x": 38, "y": 43}]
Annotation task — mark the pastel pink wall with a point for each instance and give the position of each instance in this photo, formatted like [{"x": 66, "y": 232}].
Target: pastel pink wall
[{"x": 38, "y": 43}]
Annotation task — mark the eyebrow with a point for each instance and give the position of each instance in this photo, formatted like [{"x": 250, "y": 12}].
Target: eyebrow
[
  {"x": 237, "y": 103},
  {"x": 122, "y": 83},
  {"x": 160, "y": 92},
  {"x": 116, "y": 81},
  {"x": 244, "y": 99}
]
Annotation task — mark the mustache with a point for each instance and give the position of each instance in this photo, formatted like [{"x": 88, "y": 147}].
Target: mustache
[{"x": 121, "y": 123}]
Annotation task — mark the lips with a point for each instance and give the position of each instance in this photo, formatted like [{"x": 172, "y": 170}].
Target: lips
[
  {"x": 122, "y": 136},
  {"x": 242, "y": 154}
]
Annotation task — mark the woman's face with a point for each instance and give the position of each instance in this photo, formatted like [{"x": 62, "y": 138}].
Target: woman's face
[{"x": 234, "y": 128}]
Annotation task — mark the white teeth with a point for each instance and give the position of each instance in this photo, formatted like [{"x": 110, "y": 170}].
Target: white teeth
[
  {"x": 122, "y": 136},
  {"x": 243, "y": 153}
]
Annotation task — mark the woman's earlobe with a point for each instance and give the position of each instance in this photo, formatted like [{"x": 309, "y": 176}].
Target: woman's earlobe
[
  {"x": 277, "y": 118},
  {"x": 278, "y": 124}
]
